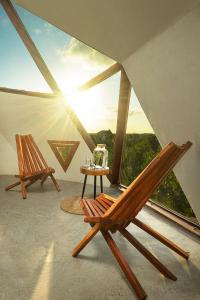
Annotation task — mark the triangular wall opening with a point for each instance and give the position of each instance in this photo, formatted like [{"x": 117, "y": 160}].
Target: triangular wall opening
[
  {"x": 71, "y": 62},
  {"x": 18, "y": 69},
  {"x": 141, "y": 145},
  {"x": 64, "y": 151}
]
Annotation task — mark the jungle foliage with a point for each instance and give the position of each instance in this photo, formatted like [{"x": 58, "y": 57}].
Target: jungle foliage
[{"x": 139, "y": 150}]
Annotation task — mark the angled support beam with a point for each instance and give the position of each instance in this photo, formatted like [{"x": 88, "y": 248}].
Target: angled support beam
[
  {"x": 27, "y": 93},
  {"x": 80, "y": 127},
  {"x": 123, "y": 108},
  {"x": 100, "y": 77},
  {"x": 19, "y": 26},
  {"x": 15, "y": 19}
]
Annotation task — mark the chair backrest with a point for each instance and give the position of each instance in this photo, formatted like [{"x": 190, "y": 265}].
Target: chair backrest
[
  {"x": 30, "y": 159},
  {"x": 141, "y": 189}
]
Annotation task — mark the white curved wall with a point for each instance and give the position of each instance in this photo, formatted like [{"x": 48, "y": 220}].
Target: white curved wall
[
  {"x": 165, "y": 74},
  {"x": 45, "y": 119}
]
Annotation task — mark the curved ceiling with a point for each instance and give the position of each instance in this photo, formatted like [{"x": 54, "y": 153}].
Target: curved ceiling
[{"x": 116, "y": 28}]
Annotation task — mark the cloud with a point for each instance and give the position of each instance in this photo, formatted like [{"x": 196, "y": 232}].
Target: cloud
[
  {"x": 134, "y": 112},
  {"x": 112, "y": 109},
  {"x": 37, "y": 31},
  {"x": 49, "y": 29},
  {"x": 78, "y": 51}
]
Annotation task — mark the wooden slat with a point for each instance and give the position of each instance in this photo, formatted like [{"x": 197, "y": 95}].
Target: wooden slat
[
  {"x": 100, "y": 77},
  {"x": 102, "y": 203},
  {"x": 35, "y": 163},
  {"x": 31, "y": 155},
  {"x": 39, "y": 154},
  {"x": 20, "y": 155},
  {"x": 35, "y": 154},
  {"x": 25, "y": 159},
  {"x": 92, "y": 208},
  {"x": 19, "y": 26},
  {"x": 97, "y": 208},
  {"x": 112, "y": 199},
  {"x": 28, "y": 156},
  {"x": 107, "y": 201},
  {"x": 123, "y": 109},
  {"x": 102, "y": 208},
  {"x": 89, "y": 210}
]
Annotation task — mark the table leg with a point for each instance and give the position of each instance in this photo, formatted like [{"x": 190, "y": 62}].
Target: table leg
[
  {"x": 83, "y": 191},
  {"x": 95, "y": 182},
  {"x": 101, "y": 183}
]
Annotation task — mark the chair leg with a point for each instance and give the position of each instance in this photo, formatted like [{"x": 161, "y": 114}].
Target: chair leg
[
  {"x": 161, "y": 238},
  {"x": 12, "y": 185},
  {"x": 84, "y": 184},
  {"x": 101, "y": 184},
  {"x": 44, "y": 179},
  {"x": 55, "y": 182},
  {"x": 95, "y": 186},
  {"x": 93, "y": 231},
  {"x": 23, "y": 190},
  {"x": 124, "y": 266},
  {"x": 151, "y": 258}
]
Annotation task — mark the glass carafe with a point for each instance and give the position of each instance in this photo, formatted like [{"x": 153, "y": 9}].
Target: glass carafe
[{"x": 100, "y": 156}]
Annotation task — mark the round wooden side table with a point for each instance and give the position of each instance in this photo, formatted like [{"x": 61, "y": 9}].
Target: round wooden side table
[{"x": 93, "y": 172}]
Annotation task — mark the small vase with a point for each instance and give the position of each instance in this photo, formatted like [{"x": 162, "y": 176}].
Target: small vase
[{"x": 100, "y": 156}]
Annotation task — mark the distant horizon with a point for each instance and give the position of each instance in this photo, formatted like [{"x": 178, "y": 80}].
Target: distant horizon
[{"x": 106, "y": 130}]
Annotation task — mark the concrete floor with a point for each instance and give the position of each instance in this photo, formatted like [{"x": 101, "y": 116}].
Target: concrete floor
[{"x": 36, "y": 240}]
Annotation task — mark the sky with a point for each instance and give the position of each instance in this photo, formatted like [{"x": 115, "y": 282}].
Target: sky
[{"x": 71, "y": 63}]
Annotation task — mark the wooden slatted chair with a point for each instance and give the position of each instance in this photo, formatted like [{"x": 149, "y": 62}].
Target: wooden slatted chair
[
  {"x": 32, "y": 165},
  {"x": 106, "y": 214}
]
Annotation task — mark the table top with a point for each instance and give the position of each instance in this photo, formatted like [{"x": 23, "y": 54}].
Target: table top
[{"x": 94, "y": 172}]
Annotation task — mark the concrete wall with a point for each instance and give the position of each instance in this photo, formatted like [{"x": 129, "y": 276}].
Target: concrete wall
[
  {"x": 165, "y": 74},
  {"x": 45, "y": 119}
]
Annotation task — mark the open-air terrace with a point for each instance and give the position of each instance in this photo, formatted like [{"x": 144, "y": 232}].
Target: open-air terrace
[
  {"x": 99, "y": 150},
  {"x": 37, "y": 239}
]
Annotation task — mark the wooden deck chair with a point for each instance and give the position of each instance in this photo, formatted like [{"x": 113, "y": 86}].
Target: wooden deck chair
[
  {"x": 107, "y": 214},
  {"x": 32, "y": 165}
]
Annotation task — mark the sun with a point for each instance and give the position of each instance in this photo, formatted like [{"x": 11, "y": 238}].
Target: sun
[{"x": 88, "y": 107}]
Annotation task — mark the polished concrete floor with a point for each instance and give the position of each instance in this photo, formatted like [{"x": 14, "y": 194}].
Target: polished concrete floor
[{"x": 36, "y": 240}]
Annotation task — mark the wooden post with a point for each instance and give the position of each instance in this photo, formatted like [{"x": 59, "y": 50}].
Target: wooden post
[{"x": 123, "y": 108}]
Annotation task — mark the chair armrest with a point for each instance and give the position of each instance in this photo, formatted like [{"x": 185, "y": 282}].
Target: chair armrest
[
  {"x": 108, "y": 197},
  {"x": 101, "y": 220}
]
